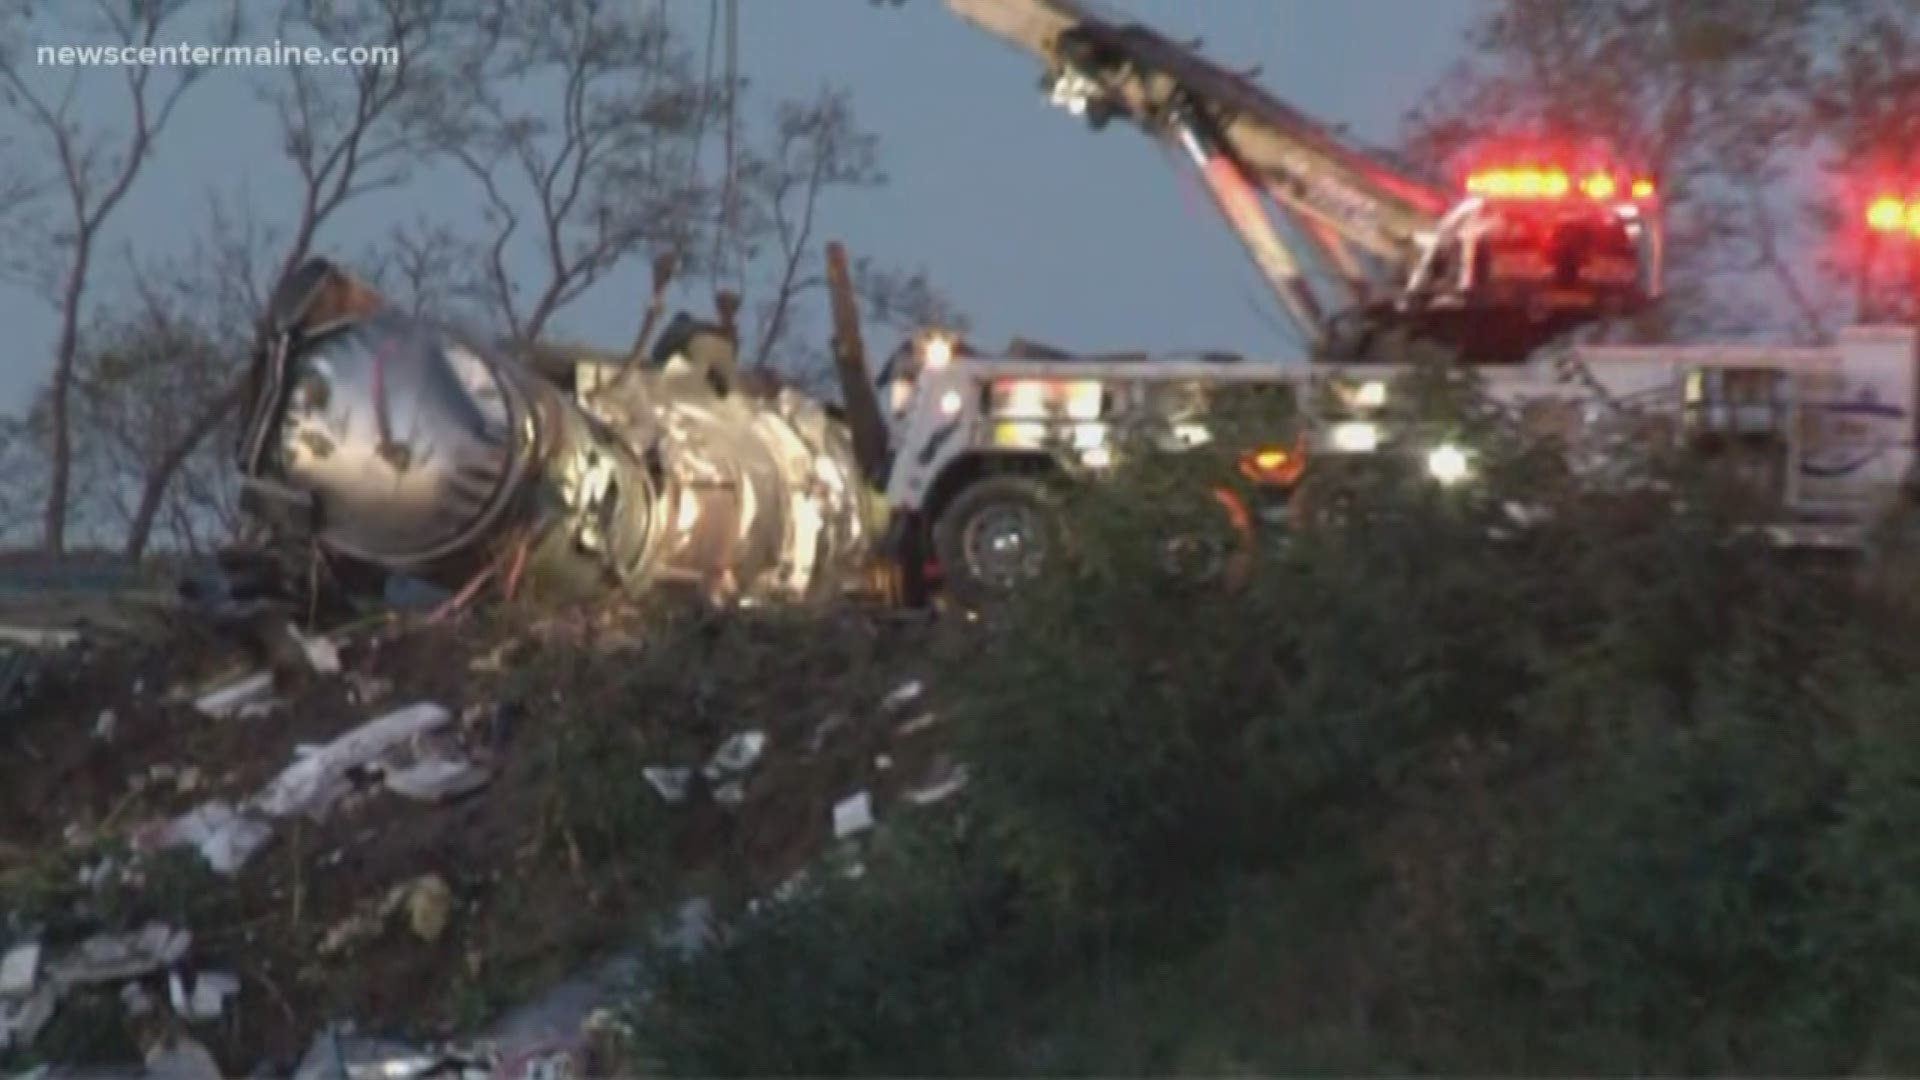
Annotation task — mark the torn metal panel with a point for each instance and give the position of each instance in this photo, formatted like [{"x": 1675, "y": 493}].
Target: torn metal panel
[
  {"x": 317, "y": 780},
  {"x": 110, "y": 958}
]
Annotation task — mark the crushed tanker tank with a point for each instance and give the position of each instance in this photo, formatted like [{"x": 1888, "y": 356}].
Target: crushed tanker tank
[{"x": 393, "y": 444}]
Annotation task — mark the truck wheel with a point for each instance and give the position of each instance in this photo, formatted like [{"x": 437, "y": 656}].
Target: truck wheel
[{"x": 996, "y": 536}]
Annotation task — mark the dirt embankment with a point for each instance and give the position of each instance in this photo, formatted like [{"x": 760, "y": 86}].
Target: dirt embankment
[{"x": 422, "y": 919}]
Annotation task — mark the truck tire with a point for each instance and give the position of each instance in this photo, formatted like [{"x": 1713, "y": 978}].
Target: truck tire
[{"x": 999, "y": 534}]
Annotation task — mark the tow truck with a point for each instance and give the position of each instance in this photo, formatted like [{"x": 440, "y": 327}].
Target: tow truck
[
  {"x": 1528, "y": 248},
  {"x": 1496, "y": 272}
]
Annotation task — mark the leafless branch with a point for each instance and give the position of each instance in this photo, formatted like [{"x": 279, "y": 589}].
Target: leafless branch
[
  {"x": 96, "y": 174},
  {"x": 589, "y": 165}
]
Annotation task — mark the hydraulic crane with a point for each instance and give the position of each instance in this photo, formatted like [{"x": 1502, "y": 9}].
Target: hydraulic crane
[{"x": 1529, "y": 251}]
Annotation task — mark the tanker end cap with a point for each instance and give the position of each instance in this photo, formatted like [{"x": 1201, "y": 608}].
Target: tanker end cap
[{"x": 405, "y": 440}]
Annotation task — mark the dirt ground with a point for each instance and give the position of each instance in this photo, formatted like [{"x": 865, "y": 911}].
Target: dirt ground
[{"x": 536, "y": 894}]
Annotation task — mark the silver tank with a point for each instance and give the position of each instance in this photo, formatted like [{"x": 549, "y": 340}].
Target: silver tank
[{"x": 421, "y": 454}]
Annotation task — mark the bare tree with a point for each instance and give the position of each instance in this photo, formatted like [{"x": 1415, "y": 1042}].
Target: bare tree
[
  {"x": 600, "y": 175},
  {"x": 1865, "y": 88},
  {"x": 95, "y": 174},
  {"x": 422, "y": 266},
  {"x": 771, "y": 238},
  {"x": 136, "y": 366},
  {"x": 816, "y": 146},
  {"x": 346, "y": 133}
]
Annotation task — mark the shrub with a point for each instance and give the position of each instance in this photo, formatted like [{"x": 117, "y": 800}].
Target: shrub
[{"x": 1554, "y": 771}]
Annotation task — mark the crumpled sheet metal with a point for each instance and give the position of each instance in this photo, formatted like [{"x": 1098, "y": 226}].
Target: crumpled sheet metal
[
  {"x": 112, "y": 958},
  {"x": 404, "y": 448},
  {"x": 316, "y": 781}
]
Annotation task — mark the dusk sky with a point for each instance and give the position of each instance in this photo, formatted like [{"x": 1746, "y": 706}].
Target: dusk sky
[{"x": 1034, "y": 225}]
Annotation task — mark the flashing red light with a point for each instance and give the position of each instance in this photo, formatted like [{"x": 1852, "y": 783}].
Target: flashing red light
[
  {"x": 1599, "y": 186},
  {"x": 1643, "y": 189}
]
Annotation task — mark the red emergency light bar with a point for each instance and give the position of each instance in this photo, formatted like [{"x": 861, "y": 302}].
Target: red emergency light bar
[{"x": 1552, "y": 183}]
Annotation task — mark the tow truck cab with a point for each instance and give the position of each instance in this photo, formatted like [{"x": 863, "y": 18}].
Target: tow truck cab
[{"x": 978, "y": 446}]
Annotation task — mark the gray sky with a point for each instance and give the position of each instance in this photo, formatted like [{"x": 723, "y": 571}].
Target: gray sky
[{"x": 1033, "y": 224}]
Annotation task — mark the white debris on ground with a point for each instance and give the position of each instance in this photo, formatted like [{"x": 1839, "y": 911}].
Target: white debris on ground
[
  {"x": 312, "y": 784},
  {"x": 225, "y": 838},
  {"x": 234, "y": 699},
  {"x": 22, "y": 1017},
  {"x": 905, "y": 694},
  {"x": 415, "y": 753},
  {"x": 113, "y": 958},
  {"x": 321, "y": 652},
  {"x": 19, "y": 969},
  {"x": 917, "y": 724},
  {"x": 206, "y": 1000},
  {"x": 737, "y": 754},
  {"x": 181, "y": 1058},
  {"x": 28, "y": 1002},
  {"x": 437, "y": 779},
  {"x": 852, "y": 815},
  {"x": 427, "y": 902},
  {"x": 670, "y": 783}
]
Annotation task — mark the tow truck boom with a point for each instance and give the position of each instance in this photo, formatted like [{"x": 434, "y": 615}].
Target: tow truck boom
[{"x": 1451, "y": 264}]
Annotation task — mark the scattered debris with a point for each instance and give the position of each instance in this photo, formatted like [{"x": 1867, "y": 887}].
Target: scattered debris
[
  {"x": 96, "y": 875},
  {"x": 22, "y": 1018},
  {"x": 366, "y": 690},
  {"x": 207, "y": 1000},
  {"x": 671, "y": 784},
  {"x": 322, "y": 653},
  {"x": 225, "y": 837},
  {"x": 337, "y": 1054},
  {"x": 19, "y": 969},
  {"x": 437, "y": 779},
  {"x": 737, "y": 754},
  {"x": 317, "y": 780},
  {"x": 358, "y": 928},
  {"x": 233, "y": 700},
  {"x": 939, "y": 790},
  {"x": 917, "y": 724},
  {"x": 181, "y": 1058},
  {"x": 851, "y": 815},
  {"x": 827, "y": 727},
  {"x": 904, "y": 694},
  {"x": 258, "y": 710},
  {"x": 112, "y": 958},
  {"x": 120, "y": 764},
  {"x": 429, "y": 907},
  {"x": 34, "y": 637},
  {"x": 428, "y": 904},
  {"x": 135, "y": 999}
]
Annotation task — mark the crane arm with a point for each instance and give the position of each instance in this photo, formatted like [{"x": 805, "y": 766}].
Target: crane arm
[
  {"x": 1162, "y": 85},
  {"x": 1521, "y": 259}
]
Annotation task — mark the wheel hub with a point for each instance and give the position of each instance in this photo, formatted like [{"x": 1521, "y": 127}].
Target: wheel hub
[{"x": 1005, "y": 545}]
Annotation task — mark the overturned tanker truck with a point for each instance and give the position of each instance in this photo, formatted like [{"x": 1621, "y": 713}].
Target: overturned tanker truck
[{"x": 396, "y": 448}]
